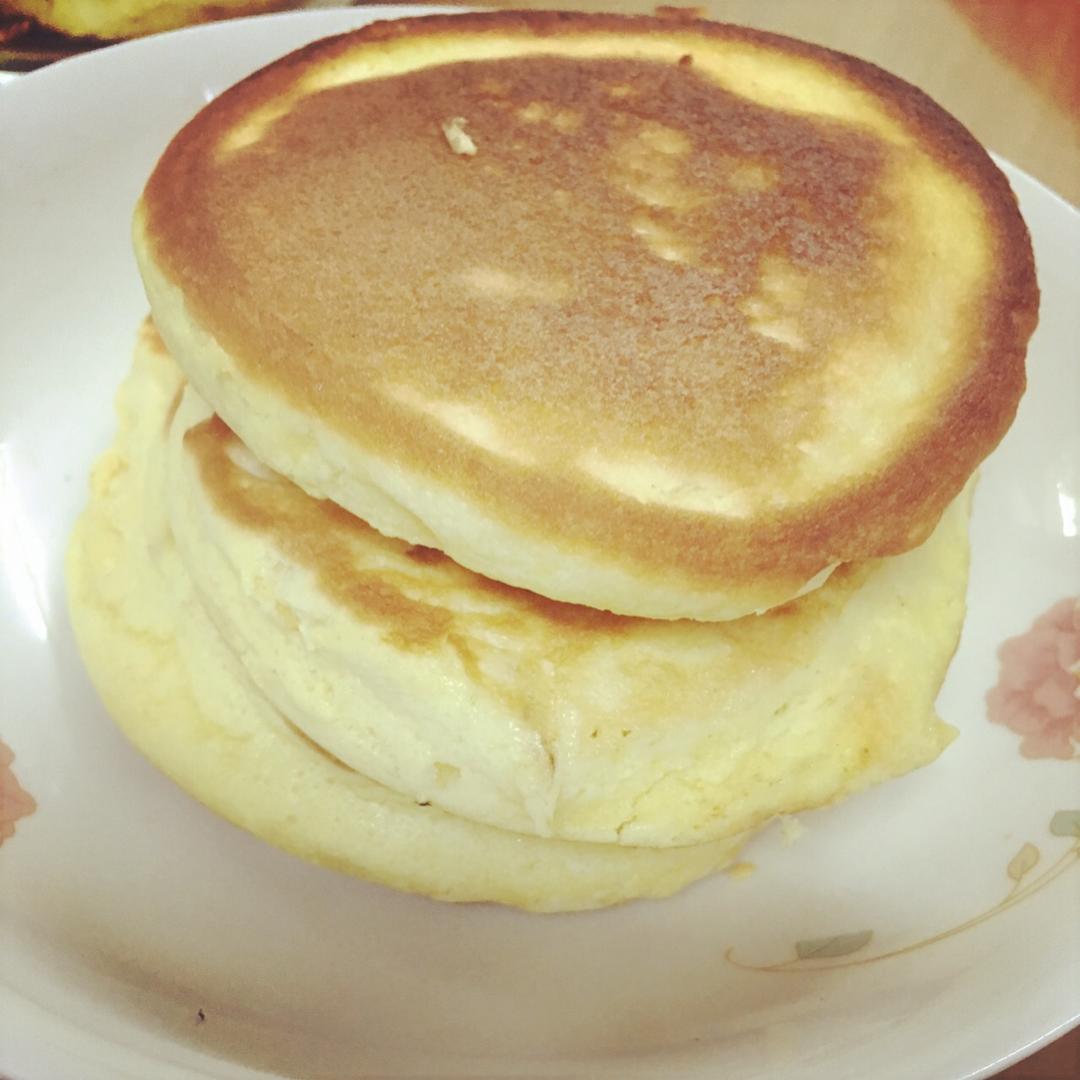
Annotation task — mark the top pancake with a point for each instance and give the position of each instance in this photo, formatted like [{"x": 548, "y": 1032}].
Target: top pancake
[{"x": 706, "y": 312}]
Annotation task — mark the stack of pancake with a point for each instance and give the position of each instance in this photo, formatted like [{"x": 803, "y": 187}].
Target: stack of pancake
[{"x": 554, "y": 462}]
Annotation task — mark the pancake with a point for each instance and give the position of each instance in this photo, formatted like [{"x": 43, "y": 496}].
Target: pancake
[
  {"x": 548, "y": 719},
  {"x": 662, "y": 318},
  {"x": 178, "y": 693}
]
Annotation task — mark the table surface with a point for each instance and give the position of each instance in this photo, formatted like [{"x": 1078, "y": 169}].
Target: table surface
[{"x": 1007, "y": 69}]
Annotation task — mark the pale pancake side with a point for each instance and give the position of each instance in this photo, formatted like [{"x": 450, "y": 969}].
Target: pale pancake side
[
  {"x": 173, "y": 687},
  {"x": 707, "y": 312},
  {"x": 555, "y": 719}
]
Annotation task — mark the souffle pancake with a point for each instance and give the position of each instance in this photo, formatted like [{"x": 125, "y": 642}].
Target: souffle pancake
[
  {"x": 550, "y": 454},
  {"x": 666, "y": 319},
  {"x": 376, "y": 708}
]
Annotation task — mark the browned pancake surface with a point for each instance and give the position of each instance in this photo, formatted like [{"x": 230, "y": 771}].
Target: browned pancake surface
[{"x": 591, "y": 279}]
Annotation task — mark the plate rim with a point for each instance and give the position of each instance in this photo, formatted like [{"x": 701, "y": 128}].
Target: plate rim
[{"x": 73, "y": 67}]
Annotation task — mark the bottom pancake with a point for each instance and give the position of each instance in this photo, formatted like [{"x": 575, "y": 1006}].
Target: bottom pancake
[
  {"x": 180, "y": 696},
  {"x": 375, "y": 708},
  {"x": 552, "y": 719}
]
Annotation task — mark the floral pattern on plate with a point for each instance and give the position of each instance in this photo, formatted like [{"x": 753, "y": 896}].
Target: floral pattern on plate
[
  {"x": 15, "y": 801},
  {"x": 841, "y": 950},
  {"x": 1038, "y": 695}
]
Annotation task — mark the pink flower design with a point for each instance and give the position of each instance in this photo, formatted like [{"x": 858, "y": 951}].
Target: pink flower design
[
  {"x": 1038, "y": 693},
  {"x": 15, "y": 802}
]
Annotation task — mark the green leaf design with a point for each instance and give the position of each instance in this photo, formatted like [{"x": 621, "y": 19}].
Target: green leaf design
[
  {"x": 827, "y": 948},
  {"x": 1023, "y": 862},
  {"x": 1066, "y": 823}
]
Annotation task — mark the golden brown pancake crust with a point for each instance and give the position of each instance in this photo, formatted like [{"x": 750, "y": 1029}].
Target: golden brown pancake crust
[
  {"x": 333, "y": 258},
  {"x": 416, "y": 611}
]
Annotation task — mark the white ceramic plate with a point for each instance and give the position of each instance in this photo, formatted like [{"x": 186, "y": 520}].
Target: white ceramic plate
[{"x": 142, "y": 937}]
